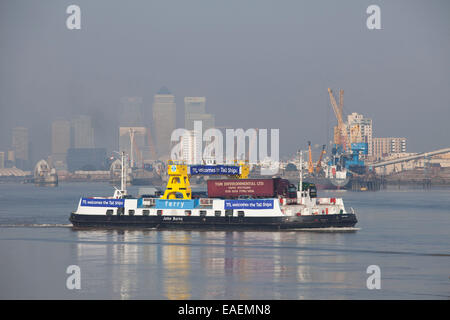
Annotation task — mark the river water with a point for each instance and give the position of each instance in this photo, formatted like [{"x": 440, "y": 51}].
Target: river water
[{"x": 406, "y": 233}]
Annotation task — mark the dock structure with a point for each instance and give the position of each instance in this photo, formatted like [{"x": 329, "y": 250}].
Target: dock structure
[
  {"x": 424, "y": 155},
  {"x": 366, "y": 182},
  {"x": 424, "y": 179}
]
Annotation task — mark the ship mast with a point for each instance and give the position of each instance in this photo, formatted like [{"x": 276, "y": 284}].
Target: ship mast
[
  {"x": 300, "y": 184},
  {"x": 123, "y": 178}
]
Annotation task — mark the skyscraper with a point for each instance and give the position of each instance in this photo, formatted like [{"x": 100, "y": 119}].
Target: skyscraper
[
  {"x": 60, "y": 140},
  {"x": 20, "y": 144},
  {"x": 164, "y": 120},
  {"x": 83, "y": 133},
  {"x": 195, "y": 110}
]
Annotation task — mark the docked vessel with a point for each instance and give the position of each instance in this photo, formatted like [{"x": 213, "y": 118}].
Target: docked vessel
[
  {"x": 45, "y": 175},
  {"x": 269, "y": 205},
  {"x": 330, "y": 179},
  {"x": 331, "y": 175}
]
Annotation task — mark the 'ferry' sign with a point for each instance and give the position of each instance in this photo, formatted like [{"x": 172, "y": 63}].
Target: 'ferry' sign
[{"x": 176, "y": 204}]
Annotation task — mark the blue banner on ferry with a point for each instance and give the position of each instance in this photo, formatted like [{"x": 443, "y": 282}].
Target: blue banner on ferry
[
  {"x": 90, "y": 202},
  {"x": 176, "y": 204},
  {"x": 215, "y": 169},
  {"x": 249, "y": 204}
]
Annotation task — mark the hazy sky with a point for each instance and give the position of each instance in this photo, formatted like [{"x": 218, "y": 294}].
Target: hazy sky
[{"x": 260, "y": 64}]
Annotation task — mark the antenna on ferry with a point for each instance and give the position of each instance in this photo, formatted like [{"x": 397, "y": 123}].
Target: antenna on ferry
[
  {"x": 123, "y": 178},
  {"x": 300, "y": 184}
]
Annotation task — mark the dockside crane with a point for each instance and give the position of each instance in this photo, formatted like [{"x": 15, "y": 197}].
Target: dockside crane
[
  {"x": 319, "y": 163},
  {"x": 310, "y": 164},
  {"x": 348, "y": 141},
  {"x": 340, "y": 132}
]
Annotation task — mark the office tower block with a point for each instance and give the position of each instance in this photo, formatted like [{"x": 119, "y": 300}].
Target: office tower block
[
  {"x": 195, "y": 110},
  {"x": 164, "y": 120},
  {"x": 20, "y": 145},
  {"x": 60, "y": 140}
]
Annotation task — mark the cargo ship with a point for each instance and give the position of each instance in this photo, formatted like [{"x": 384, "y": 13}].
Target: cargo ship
[{"x": 237, "y": 203}]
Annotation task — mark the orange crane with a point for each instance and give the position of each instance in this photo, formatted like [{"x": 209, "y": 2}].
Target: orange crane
[
  {"x": 319, "y": 163},
  {"x": 340, "y": 132},
  {"x": 310, "y": 164}
]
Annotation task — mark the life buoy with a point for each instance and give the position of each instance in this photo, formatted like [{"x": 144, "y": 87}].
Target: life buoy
[{"x": 281, "y": 200}]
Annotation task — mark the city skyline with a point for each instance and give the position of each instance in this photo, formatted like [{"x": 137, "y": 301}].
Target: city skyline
[
  {"x": 75, "y": 137},
  {"x": 279, "y": 79}
]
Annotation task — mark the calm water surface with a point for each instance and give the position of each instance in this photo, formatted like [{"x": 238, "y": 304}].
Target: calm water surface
[{"x": 405, "y": 233}]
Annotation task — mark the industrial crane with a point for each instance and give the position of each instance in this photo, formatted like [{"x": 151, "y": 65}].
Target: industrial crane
[
  {"x": 319, "y": 163},
  {"x": 348, "y": 140},
  {"x": 310, "y": 164},
  {"x": 340, "y": 133}
]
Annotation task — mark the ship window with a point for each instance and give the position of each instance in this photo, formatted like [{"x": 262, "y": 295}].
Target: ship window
[
  {"x": 109, "y": 212},
  {"x": 131, "y": 212},
  {"x": 145, "y": 212},
  {"x": 120, "y": 211},
  {"x": 187, "y": 212},
  {"x": 240, "y": 214},
  {"x": 202, "y": 213},
  {"x": 228, "y": 213},
  {"x": 159, "y": 212},
  {"x": 217, "y": 213}
]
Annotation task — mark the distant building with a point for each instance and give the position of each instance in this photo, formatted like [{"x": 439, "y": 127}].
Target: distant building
[
  {"x": 87, "y": 159},
  {"x": 195, "y": 110},
  {"x": 20, "y": 145},
  {"x": 83, "y": 133},
  {"x": 164, "y": 120},
  {"x": 11, "y": 156},
  {"x": 131, "y": 112},
  {"x": 2, "y": 160},
  {"x": 359, "y": 129},
  {"x": 60, "y": 141},
  {"x": 387, "y": 147},
  {"x": 190, "y": 146}
]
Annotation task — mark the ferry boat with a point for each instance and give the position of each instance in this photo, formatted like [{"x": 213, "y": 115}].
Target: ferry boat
[{"x": 287, "y": 209}]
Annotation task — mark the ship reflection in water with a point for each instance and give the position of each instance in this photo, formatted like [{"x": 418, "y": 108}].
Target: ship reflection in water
[{"x": 148, "y": 264}]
